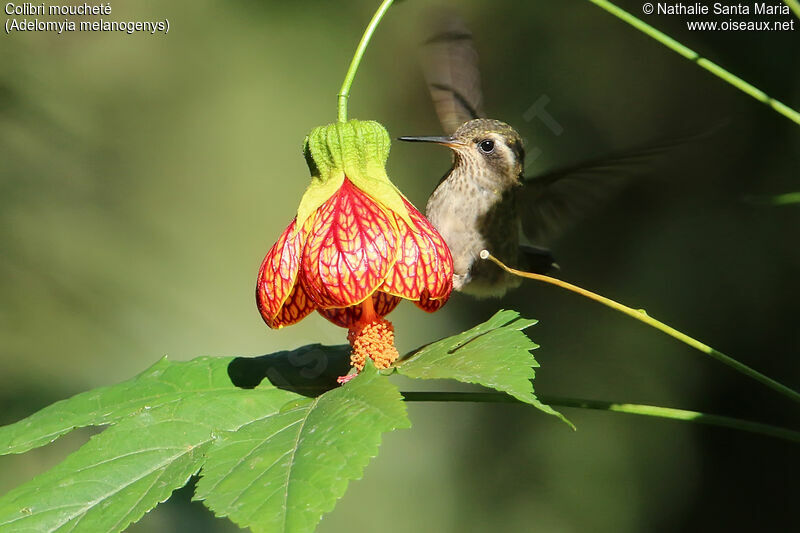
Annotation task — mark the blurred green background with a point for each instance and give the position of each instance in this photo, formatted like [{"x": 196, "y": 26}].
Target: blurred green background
[{"x": 143, "y": 178}]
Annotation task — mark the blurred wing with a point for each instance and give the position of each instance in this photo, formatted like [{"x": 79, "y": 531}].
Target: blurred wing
[
  {"x": 450, "y": 65},
  {"x": 551, "y": 202}
]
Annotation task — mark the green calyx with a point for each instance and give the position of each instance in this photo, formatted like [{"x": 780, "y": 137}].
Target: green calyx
[{"x": 357, "y": 150}]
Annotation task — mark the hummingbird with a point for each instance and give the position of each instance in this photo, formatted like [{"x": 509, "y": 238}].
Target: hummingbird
[
  {"x": 476, "y": 207},
  {"x": 484, "y": 202}
]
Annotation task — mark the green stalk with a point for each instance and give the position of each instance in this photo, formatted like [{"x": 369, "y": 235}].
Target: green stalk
[
  {"x": 794, "y": 5},
  {"x": 629, "y": 408},
  {"x": 789, "y": 198},
  {"x": 344, "y": 92},
  {"x": 710, "y": 66},
  {"x": 644, "y": 317}
]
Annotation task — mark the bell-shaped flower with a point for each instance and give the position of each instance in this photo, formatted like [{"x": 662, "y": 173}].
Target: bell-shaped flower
[{"x": 356, "y": 247}]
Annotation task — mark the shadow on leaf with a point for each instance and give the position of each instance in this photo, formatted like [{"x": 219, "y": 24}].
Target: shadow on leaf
[{"x": 309, "y": 370}]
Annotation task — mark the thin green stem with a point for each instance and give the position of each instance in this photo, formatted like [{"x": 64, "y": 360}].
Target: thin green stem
[
  {"x": 789, "y": 198},
  {"x": 642, "y": 316},
  {"x": 794, "y": 5},
  {"x": 691, "y": 55},
  {"x": 344, "y": 92},
  {"x": 629, "y": 408}
]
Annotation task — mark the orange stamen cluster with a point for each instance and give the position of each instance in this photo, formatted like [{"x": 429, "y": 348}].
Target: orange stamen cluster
[{"x": 374, "y": 340}]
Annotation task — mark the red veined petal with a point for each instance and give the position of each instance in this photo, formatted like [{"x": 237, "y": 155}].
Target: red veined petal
[
  {"x": 384, "y": 303},
  {"x": 424, "y": 267},
  {"x": 347, "y": 317},
  {"x": 344, "y": 317},
  {"x": 351, "y": 246},
  {"x": 277, "y": 277},
  {"x": 296, "y": 307},
  {"x": 426, "y": 304}
]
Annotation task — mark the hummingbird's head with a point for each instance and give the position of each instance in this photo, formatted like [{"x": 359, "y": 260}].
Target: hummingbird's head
[{"x": 484, "y": 144}]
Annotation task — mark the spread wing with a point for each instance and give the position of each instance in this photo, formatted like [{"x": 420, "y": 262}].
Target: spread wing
[
  {"x": 553, "y": 201},
  {"x": 450, "y": 65}
]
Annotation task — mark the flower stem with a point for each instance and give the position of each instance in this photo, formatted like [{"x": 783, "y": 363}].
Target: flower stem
[
  {"x": 344, "y": 92},
  {"x": 630, "y": 408},
  {"x": 642, "y": 316},
  {"x": 794, "y": 5},
  {"x": 710, "y": 66},
  {"x": 789, "y": 198}
]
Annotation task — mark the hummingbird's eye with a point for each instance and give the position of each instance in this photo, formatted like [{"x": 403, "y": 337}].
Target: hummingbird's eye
[{"x": 486, "y": 146}]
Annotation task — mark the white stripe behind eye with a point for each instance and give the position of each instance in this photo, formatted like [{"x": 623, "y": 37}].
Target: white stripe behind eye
[{"x": 506, "y": 151}]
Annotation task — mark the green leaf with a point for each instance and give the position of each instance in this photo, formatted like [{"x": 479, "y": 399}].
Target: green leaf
[
  {"x": 162, "y": 383},
  {"x": 166, "y": 382},
  {"x": 284, "y": 472},
  {"x": 495, "y": 354},
  {"x": 177, "y": 419},
  {"x": 273, "y": 448},
  {"x": 128, "y": 469}
]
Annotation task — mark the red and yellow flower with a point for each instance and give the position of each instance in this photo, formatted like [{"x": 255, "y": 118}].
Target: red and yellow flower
[{"x": 356, "y": 247}]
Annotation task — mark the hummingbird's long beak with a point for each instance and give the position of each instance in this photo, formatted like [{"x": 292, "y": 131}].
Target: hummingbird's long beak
[{"x": 446, "y": 141}]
